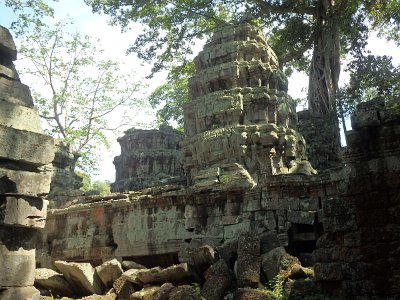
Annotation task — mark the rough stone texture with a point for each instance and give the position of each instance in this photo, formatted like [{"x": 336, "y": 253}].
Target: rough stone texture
[
  {"x": 270, "y": 262},
  {"x": 123, "y": 288},
  {"x": 252, "y": 294},
  {"x": 183, "y": 292},
  {"x": 358, "y": 256},
  {"x": 248, "y": 262},
  {"x": 163, "y": 292},
  {"x": 129, "y": 264},
  {"x": 20, "y": 210},
  {"x": 240, "y": 121},
  {"x": 218, "y": 281},
  {"x": 24, "y": 153},
  {"x": 65, "y": 183},
  {"x": 109, "y": 271},
  {"x": 52, "y": 281},
  {"x": 17, "y": 252},
  {"x": 81, "y": 276},
  {"x": 7, "y": 45},
  {"x": 14, "y": 293},
  {"x": 145, "y": 294},
  {"x": 148, "y": 158},
  {"x": 25, "y": 146},
  {"x": 19, "y": 117}
]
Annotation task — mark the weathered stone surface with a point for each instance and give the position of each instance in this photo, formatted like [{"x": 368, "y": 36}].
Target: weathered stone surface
[
  {"x": 110, "y": 296},
  {"x": 17, "y": 252},
  {"x": 228, "y": 251},
  {"x": 270, "y": 262},
  {"x": 7, "y": 69},
  {"x": 27, "y": 147},
  {"x": 109, "y": 271},
  {"x": 268, "y": 241},
  {"x": 132, "y": 276},
  {"x": 248, "y": 262},
  {"x": 24, "y": 182},
  {"x": 252, "y": 294},
  {"x": 129, "y": 264},
  {"x": 203, "y": 257},
  {"x": 183, "y": 292},
  {"x": 219, "y": 278},
  {"x": 53, "y": 281},
  {"x": 123, "y": 288},
  {"x": 14, "y": 293},
  {"x": 175, "y": 273},
  {"x": 7, "y": 45},
  {"x": 148, "y": 158},
  {"x": 81, "y": 276},
  {"x": 145, "y": 294},
  {"x": 20, "y": 210},
  {"x": 19, "y": 117},
  {"x": 15, "y": 92},
  {"x": 152, "y": 275},
  {"x": 163, "y": 292}
]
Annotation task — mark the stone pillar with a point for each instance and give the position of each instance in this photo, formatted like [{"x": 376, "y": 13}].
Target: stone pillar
[{"x": 25, "y": 175}]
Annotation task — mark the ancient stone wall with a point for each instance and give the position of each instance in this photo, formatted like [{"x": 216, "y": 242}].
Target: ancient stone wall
[
  {"x": 148, "y": 158},
  {"x": 25, "y": 173},
  {"x": 358, "y": 256}
]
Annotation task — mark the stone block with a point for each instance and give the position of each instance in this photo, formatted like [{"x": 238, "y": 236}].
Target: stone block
[
  {"x": 19, "y": 117},
  {"x": 218, "y": 280},
  {"x": 7, "y": 69},
  {"x": 250, "y": 294},
  {"x": 26, "y": 147},
  {"x": 251, "y": 202},
  {"x": 341, "y": 223},
  {"x": 109, "y": 271},
  {"x": 20, "y": 210},
  {"x": 268, "y": 241},
  {"x": 7, "y": 45},
  {"x": 17, "y": 253},
  {"x": 14, "y": 293},
  {"x": 294, "y": 203},
  {"x": 233, "y": 230},
  {"x": 365, "y": 119},
  {"x": 53, "y": 281},
  {"x": 328, "y": 271},
  {"x": 301, "y": 217},
  {"x": 15, "y": 92},
  {"x": 81, "y": 276},
  {"x": 248, "y": 262},
  {"x": 23, "y": 182},
  {"x": 270, "y": 262},
  {"x": 308, "y": 204}
]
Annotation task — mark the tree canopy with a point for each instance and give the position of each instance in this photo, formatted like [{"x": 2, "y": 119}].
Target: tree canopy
[
  {"x": 76, "y": 89},
  {"x": 308, "y": 35}
]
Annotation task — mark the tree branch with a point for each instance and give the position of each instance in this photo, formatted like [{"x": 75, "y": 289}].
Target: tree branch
[{"x": 283, "y": 9}]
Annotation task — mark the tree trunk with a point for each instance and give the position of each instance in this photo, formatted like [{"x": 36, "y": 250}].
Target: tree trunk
[{"x": 324, "y": 75}]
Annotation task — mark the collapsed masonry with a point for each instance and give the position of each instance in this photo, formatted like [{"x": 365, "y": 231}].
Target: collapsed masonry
[
  {"x": 247, "y": 171},
  {"x": 25, "y": 174}
]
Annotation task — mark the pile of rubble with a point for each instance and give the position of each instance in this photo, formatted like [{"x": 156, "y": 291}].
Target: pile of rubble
[{"x": 249, "y": 267}]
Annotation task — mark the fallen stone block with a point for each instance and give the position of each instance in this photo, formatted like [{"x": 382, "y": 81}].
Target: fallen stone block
[
  {"x": 175, "y": 273},
  {"x": 19, "y": 117},
  {"x": 23, "y": 182},
  {"x": 129, "y": 264},
  {"x": 248, "y": 262},
  {"x": 7, "y": 45},
  {"x": 123, "y": 288},
  {"x": 21, "y": 210},
  {"x": 53, "y": 281},
  {"x": 17, "y": 257},
  {"x": 183, "y": 292},
  {"x": 110, "y": 296},
  {"x": 15, "y": 92},
  {"x": 268, "y": 241},
  {"x": 203, "y": 257},
  {"x": 253, "y": 294},
  {"x": 132, "y": 276},
  {"x": 26, "y": 147},
  {"x": 145, "y": 294},
  {"x": 163, "y": 292},
  {"x": 150, "y": 275},
  {"x": 270, "y": 262},
  {"x": 81, "y": 276},
  {"x": 14, "y": 293},
  {"x": 219, "y": 278},
  {"x": 109, "y": 271}
]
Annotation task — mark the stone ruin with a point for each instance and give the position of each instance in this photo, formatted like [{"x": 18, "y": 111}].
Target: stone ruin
[
  {"x": 148, "y": 158},
  {"x": 240, "y": 121},
  {"x": 250, "y": 196},
  {"x": 25, "y": 174}
]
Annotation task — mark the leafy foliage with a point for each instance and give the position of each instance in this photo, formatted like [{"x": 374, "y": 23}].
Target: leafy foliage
[
  {"x": 307, "y": 35},
  {"x": 76, "y": 90},
  {"x": 29, "y": 13},
  {"x": 370, "y": 77}
]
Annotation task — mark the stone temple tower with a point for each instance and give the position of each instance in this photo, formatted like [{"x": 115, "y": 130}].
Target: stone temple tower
[{"x": 240, "y": 121}]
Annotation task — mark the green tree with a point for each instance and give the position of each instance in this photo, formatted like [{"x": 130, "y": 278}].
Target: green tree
[
  {"x": 76, "y": 90},
  {"x": 29, "y": 13},
  {"x": 101, "y": 188},
  {"x": 329, "y": 28}
]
